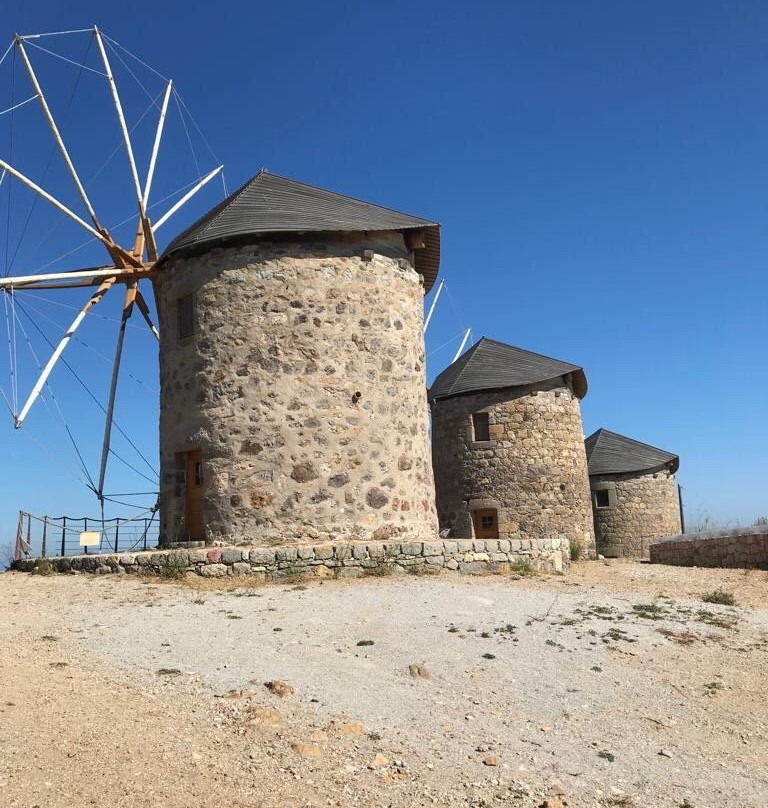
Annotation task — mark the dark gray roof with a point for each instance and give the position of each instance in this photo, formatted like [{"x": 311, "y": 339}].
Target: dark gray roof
[
  {"x": 492, "y": 365},
  {"x": 610, "y": 453},
  {"x": 268, "y": 203}
]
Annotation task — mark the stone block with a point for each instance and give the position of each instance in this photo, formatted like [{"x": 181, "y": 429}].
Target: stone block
[
  {"x": 286, "y": 554},
  {"x": 472, "y": 567},
  {"x": 435, "y": 560},
  {"x": 433, "y": 548},
  {"x": 450, "y": 547},
  {"x": 241, "y": 568},
  {"x": 412, "y": 548},
  {"x": 342, "y": 552},
  {"x": 349, "y": 572},
  {"x": 323, "y": 552},
  {"x": 262, "y": 555},
  {"x": 198, "y": 556},
  {"x": 498, "y": 556},
  {"x": 232, "y": 556},
  {"x": 213, "y": 570},
  {"x": 452, "y": 564},
  {"x": 305, "y": 553},
  {"x": 359, "y": 551},
  {"x": 480, "y": 557},
  {"x": 376, "y": 550}
]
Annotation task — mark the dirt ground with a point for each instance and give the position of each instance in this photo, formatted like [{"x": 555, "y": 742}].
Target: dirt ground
[{"x": 613, "y": 685}]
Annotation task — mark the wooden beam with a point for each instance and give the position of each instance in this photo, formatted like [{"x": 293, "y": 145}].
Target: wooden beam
[
  {"x": 167, "y": 215},
  {"x": 57, "y": 136},
  {"x": 113, "y": 249},
  {"x": 97, "y": 274},
  {"x": 144, "y": 309},
  {"x": 46, "y": 372},
  {"x": 130, "y": 297}
]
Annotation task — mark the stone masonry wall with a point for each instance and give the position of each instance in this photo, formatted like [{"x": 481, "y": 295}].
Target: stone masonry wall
[
  {"x": 647, "y": 507},
  {"x": 303, "y": 385},
  {"x": 533, "y": 470},
  {"x": 744, "y": 547},
  {"x": 325, "y": 560}
]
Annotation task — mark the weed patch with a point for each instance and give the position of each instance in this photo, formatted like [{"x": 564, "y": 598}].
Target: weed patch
[
  {"x": 576, "y": 548},
  {"x": 650, "y": 611},
  {"x": 719, "y": 597}
]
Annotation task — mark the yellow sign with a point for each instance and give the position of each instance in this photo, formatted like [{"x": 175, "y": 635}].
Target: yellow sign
[{"x": 90, "y": 539}]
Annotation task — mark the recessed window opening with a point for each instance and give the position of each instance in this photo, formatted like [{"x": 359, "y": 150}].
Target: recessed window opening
[
  {"x": 185, "y": 311},
  {"x": 480, "y": 426},
  {"x": 486, "y": 523},
  {"x": 603, "y": 498}
]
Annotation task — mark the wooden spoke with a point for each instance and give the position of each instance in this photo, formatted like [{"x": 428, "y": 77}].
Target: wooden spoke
[
  {"x": 57, "y": 135},
  {"x": 116, "y": 252},
  {"x": 95, "y": 298},
  {"x": 184, "y": 199},
  {"x": 130, "y": 297},
  {"x": 144, "y": 309},
  {"x": 92, "y": 276}
]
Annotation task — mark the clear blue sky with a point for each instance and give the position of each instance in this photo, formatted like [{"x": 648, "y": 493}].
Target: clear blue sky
[{"x": 599, "y": 168}]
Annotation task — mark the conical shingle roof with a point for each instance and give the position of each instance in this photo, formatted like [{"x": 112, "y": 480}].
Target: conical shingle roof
[
  {"x": 610, "y": 453},
  {"x": 492, "y": 365},
  {"x": 268, "y": 203}
]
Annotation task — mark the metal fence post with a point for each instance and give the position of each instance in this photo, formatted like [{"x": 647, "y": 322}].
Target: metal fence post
[
  {"x": 63, "y": 535},
  {"x": 43, "y": 549},
  {"x": 117, "y": 533}
]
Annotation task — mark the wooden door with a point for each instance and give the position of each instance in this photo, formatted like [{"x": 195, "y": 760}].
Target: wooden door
[
  {"x": 193, "y": 479},
  {"x": 486, "y": 524}
]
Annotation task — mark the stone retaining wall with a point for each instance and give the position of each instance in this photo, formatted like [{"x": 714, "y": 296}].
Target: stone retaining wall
[
  {"x": 745, "y": 547},
  {"x": 325, "y": 560}
]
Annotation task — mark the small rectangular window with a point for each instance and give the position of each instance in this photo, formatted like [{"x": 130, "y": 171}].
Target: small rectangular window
[
  {"x": 480, "y": 426},
  {"x": 603, "y": 498},
  {"x": 185, "y": 311},
  {"x": 486, "y": 524}
]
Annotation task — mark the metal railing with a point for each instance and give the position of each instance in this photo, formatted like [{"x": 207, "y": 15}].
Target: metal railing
[{"x": 41, "y": 536}]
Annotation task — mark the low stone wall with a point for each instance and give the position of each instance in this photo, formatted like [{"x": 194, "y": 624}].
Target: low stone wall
[
  {"x": 324, "y": 560},
  {"x": 745, "y": 547}
]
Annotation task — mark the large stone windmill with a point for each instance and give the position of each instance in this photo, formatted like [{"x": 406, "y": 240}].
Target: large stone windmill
[{"x": 292, "y": 368}]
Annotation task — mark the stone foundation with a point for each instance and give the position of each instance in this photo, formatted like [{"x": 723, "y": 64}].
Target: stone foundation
[
  {"x": 325, "y": 560},
  {"x": 744, "y": 548}
]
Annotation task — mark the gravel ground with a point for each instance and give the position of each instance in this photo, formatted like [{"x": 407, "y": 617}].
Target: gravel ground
[{"x": 612, "y": 685}]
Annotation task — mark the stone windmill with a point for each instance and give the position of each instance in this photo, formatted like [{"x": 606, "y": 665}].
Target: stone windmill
[
  {"x": 291, "y": 352},
  {"x": 292, "y": 369}
]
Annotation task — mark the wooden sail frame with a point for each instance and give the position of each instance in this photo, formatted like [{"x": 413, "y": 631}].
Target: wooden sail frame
[{"x": 128, "y": 265}]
